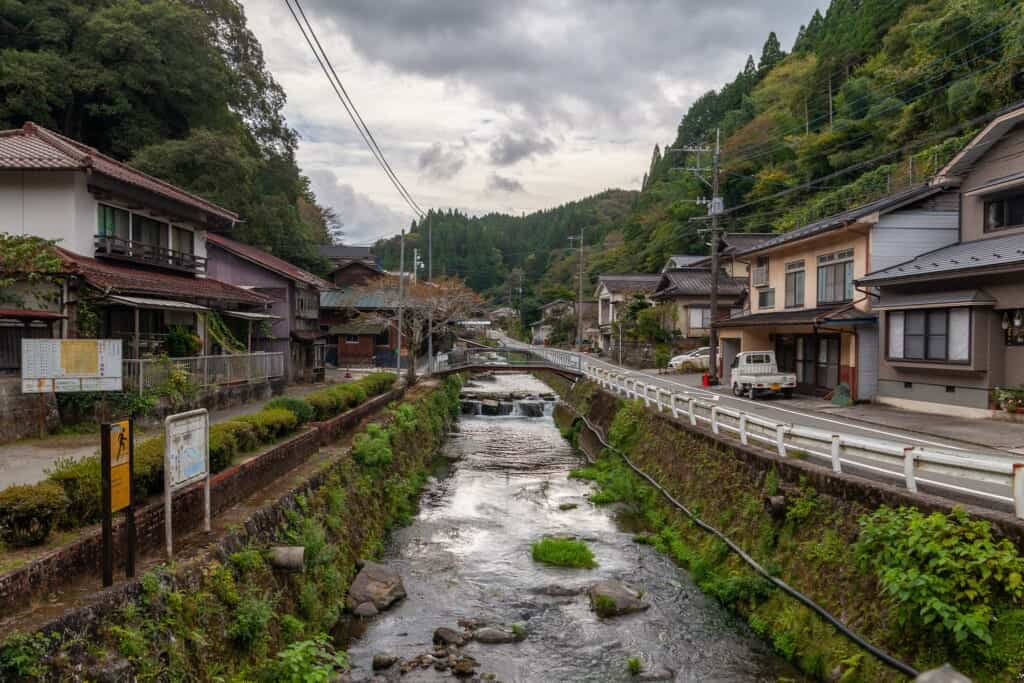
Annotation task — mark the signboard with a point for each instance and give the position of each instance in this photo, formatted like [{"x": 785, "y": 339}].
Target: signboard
[
  {"x": 117, "y": 455},
  {"x": 119, "y": 439},
  {"x": 186, "y": 460},
  {"x": 65, "y": 365}
]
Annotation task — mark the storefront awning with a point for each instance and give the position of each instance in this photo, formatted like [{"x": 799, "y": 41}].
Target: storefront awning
[
  {"x": 247, "y": 315},
  {"x": 162, "y": 304},
  {"x": 958, "y": 297}
]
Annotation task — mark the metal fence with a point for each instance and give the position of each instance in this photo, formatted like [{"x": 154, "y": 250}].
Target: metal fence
[{"x": 203, "y": 371}]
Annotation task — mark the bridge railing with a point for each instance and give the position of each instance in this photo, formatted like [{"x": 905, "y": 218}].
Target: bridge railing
[
  {"x": 503, "y": 356},
  {"x": 1002, "y": 476}
]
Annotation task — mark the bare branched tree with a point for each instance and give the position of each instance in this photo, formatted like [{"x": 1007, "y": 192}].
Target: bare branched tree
[{"x": 445, "y": 301}]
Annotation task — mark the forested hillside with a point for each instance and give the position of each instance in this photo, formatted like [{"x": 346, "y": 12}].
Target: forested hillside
[
  {"x": 178, "y": 88},
  {"x": 511, "y": 258},
  {"x": 874, "y": 95}
]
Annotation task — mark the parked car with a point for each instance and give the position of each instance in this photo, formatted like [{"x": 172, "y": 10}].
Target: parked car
[
  {"x": 756, "y": 372},
  {"x": 698, "y": 357}
]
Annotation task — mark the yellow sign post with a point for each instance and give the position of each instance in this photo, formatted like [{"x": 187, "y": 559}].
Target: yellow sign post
[{"x": 117, "y": 455}]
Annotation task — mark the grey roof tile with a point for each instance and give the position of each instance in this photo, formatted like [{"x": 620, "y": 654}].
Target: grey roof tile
[{"x": 993, "y": 251}]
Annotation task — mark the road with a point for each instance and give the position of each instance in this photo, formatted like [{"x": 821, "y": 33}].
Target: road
[{"x": 985, "y": 494}]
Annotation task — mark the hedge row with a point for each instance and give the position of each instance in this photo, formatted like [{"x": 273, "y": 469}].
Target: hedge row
[{"x": 71, "y": 495}]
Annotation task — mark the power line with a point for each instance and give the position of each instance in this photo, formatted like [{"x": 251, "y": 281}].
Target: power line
[{"x": 353, "y": 113}]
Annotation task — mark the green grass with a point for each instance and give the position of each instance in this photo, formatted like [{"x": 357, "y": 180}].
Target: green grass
[
  {"x": 604, "y": 606},
  {"x": 563, "y": 552},
  {"x": 634, "y": 666}
]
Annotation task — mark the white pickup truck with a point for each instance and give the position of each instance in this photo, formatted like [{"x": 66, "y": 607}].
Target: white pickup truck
[{"x": 754, "y": 372}]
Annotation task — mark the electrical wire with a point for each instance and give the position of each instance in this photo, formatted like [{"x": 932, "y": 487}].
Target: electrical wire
[
  {"x": 332, "y": 77},
  {"x": 843, "y": 629}
]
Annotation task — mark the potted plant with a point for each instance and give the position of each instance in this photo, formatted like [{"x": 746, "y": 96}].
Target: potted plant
[{"x": 1012, "y": 400}]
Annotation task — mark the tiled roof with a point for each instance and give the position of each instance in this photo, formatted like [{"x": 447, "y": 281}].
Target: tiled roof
[
  {"x": 268, "y": 260},
  {"x": 123, "y": 279},
  {"x": 800, "y": 316},
  {"x": 360, "y": 298},
  {"x": 736, "y": 242},
  {"x": 361, "y": 324},
  {"x": 629, "y": 283},
  {"x": 29, "y": 314},
  {"x": 961, "y": 297},
  {"x": 839, "y": 220},
  {"x": 33, "y": 147},
  {"x": 992, "y": 252},
  {"x": 696, "y": 282},
  {"x": 684, "y": 260}
]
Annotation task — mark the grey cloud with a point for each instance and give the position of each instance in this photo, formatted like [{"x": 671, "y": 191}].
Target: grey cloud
[
  {"x": 364, "y": 219},
  {"x": 441, "y": 162},
  {"x": 560, "y": 59},
  {"x": 508, "y": 149},
  {"x": 502, "y": 183}
]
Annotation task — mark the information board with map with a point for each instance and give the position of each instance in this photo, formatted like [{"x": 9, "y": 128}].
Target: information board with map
[{"x": 59, "y": 365}]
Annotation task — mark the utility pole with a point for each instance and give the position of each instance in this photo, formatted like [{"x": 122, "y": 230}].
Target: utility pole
[
  {"x": 401, "y": 302},
  {"x": 715, "y": 209},
  {"x": 430, "y": 309},
  {"x": 579, "y": 301},
  {"x": 415, "y": 263}
]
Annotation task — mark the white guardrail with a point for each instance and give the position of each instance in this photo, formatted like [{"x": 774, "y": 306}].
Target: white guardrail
[{"x": 910, "y": 464}]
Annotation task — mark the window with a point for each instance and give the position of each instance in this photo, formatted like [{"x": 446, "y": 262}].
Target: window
[
  {"x": 835, "y": 277},
  {"x": 148, "y": 231},
  {"x": 795, "y": 284},
  {"x": 183, "y": 240},
  {"x": 113, "y": 222},
  {"x": 700, "y": 318},
  {"x": 382, "y": 338},
  {"x": 766, "y": 298},
  {"x": 942, "y": 335},
  {"x": 1004, "y": 212},
  {"x": 760, "y": 276},
  {"x": 351, "y": 338}
]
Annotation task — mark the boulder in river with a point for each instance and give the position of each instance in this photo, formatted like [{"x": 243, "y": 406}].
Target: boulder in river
[
  {"x": 612, "y": 599},
  {"x": 658, "y": 673},
  {"x": 494, "y": 635},
  {"x": 383, "y": 661},
  {"x": 464, "y": 666},
  {"x": 490, "y": 407},
  {"x": 531, "y": 409},
  {"x": 448, "y": 636},
  {"x": 366, "y": 609},
  {"x": 378, "y": 584}
]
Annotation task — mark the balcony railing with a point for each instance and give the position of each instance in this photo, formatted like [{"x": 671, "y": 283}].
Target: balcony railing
[{"x": 109, "y": 246}]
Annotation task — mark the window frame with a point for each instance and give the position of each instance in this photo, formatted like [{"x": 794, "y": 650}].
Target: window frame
[
  {"x": 837, "y": 260},
  {"x": 761, "y": 293},
  {"x": 352, "y": 339},
  {"x": 794, "y": 269},
  {"x": 705, "y": 317},
  {"x": 926, "y": 336},
  {"x": 1004, "y": 200}
]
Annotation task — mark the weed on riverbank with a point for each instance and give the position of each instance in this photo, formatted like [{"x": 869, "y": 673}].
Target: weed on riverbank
[{"x": 563, "y": 552}]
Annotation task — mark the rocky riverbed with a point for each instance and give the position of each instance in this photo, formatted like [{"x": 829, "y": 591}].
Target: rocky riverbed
[{"x": 478, "y": 607}]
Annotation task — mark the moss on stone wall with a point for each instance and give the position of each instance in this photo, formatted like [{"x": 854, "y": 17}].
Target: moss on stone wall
[
  {"x": 811, "y": 544},
  {"x": 233, "y": 618}
]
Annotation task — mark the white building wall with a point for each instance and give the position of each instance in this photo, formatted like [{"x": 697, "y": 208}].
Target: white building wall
[{"x": 48, "y": 204}]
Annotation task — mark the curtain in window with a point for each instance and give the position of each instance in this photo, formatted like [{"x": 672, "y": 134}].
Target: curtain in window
[
  {"x": 960, "y": 334},
  {"x": 896, "y": 334}
]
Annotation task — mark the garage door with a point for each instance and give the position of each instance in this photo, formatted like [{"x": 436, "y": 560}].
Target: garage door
[
  {"x": 729, "y": 349},
  {"x": 867, "y": 363}
]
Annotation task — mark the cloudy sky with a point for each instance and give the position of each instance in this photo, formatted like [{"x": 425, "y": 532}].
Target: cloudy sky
[{"x": 501, "y": 105}]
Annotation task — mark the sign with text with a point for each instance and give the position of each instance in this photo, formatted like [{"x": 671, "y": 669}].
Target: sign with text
[
  {"x": 117, "y": 455},
  {"x": 186, "y": 460},
  {"x": 67, "y": 365}
]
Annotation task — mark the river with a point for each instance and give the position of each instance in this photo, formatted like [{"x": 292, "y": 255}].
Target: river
[{"x": 467, "y": 555}]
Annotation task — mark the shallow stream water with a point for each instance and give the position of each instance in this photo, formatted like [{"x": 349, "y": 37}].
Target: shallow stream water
[{"x": 467, "y": 555}]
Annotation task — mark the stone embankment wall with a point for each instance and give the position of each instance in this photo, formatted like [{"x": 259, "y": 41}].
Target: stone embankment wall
[
  {"x": 21, "y": 414},
  {"x": 800, "y": 521}
]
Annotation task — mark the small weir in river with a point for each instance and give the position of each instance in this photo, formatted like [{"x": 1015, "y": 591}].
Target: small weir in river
[{"x": 501, "y": 485}]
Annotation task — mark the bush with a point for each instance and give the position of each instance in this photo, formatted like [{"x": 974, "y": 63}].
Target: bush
[
  {"x": 249, "y": 626},
  {"x": 941, "y": 572},
  {"x": 301, "y": 409},
  {"x": 223, "y": 445},
  {"x": 324, "y": 404},
  {"x": 82, "y": 482},
  {"x": 149, "y": 466},
  {"x": 272, "y": 423},
  {"x": 372, "y": 447},
  {"x": 563, "y": 552},
  {"x": 27, "y": 513}
]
